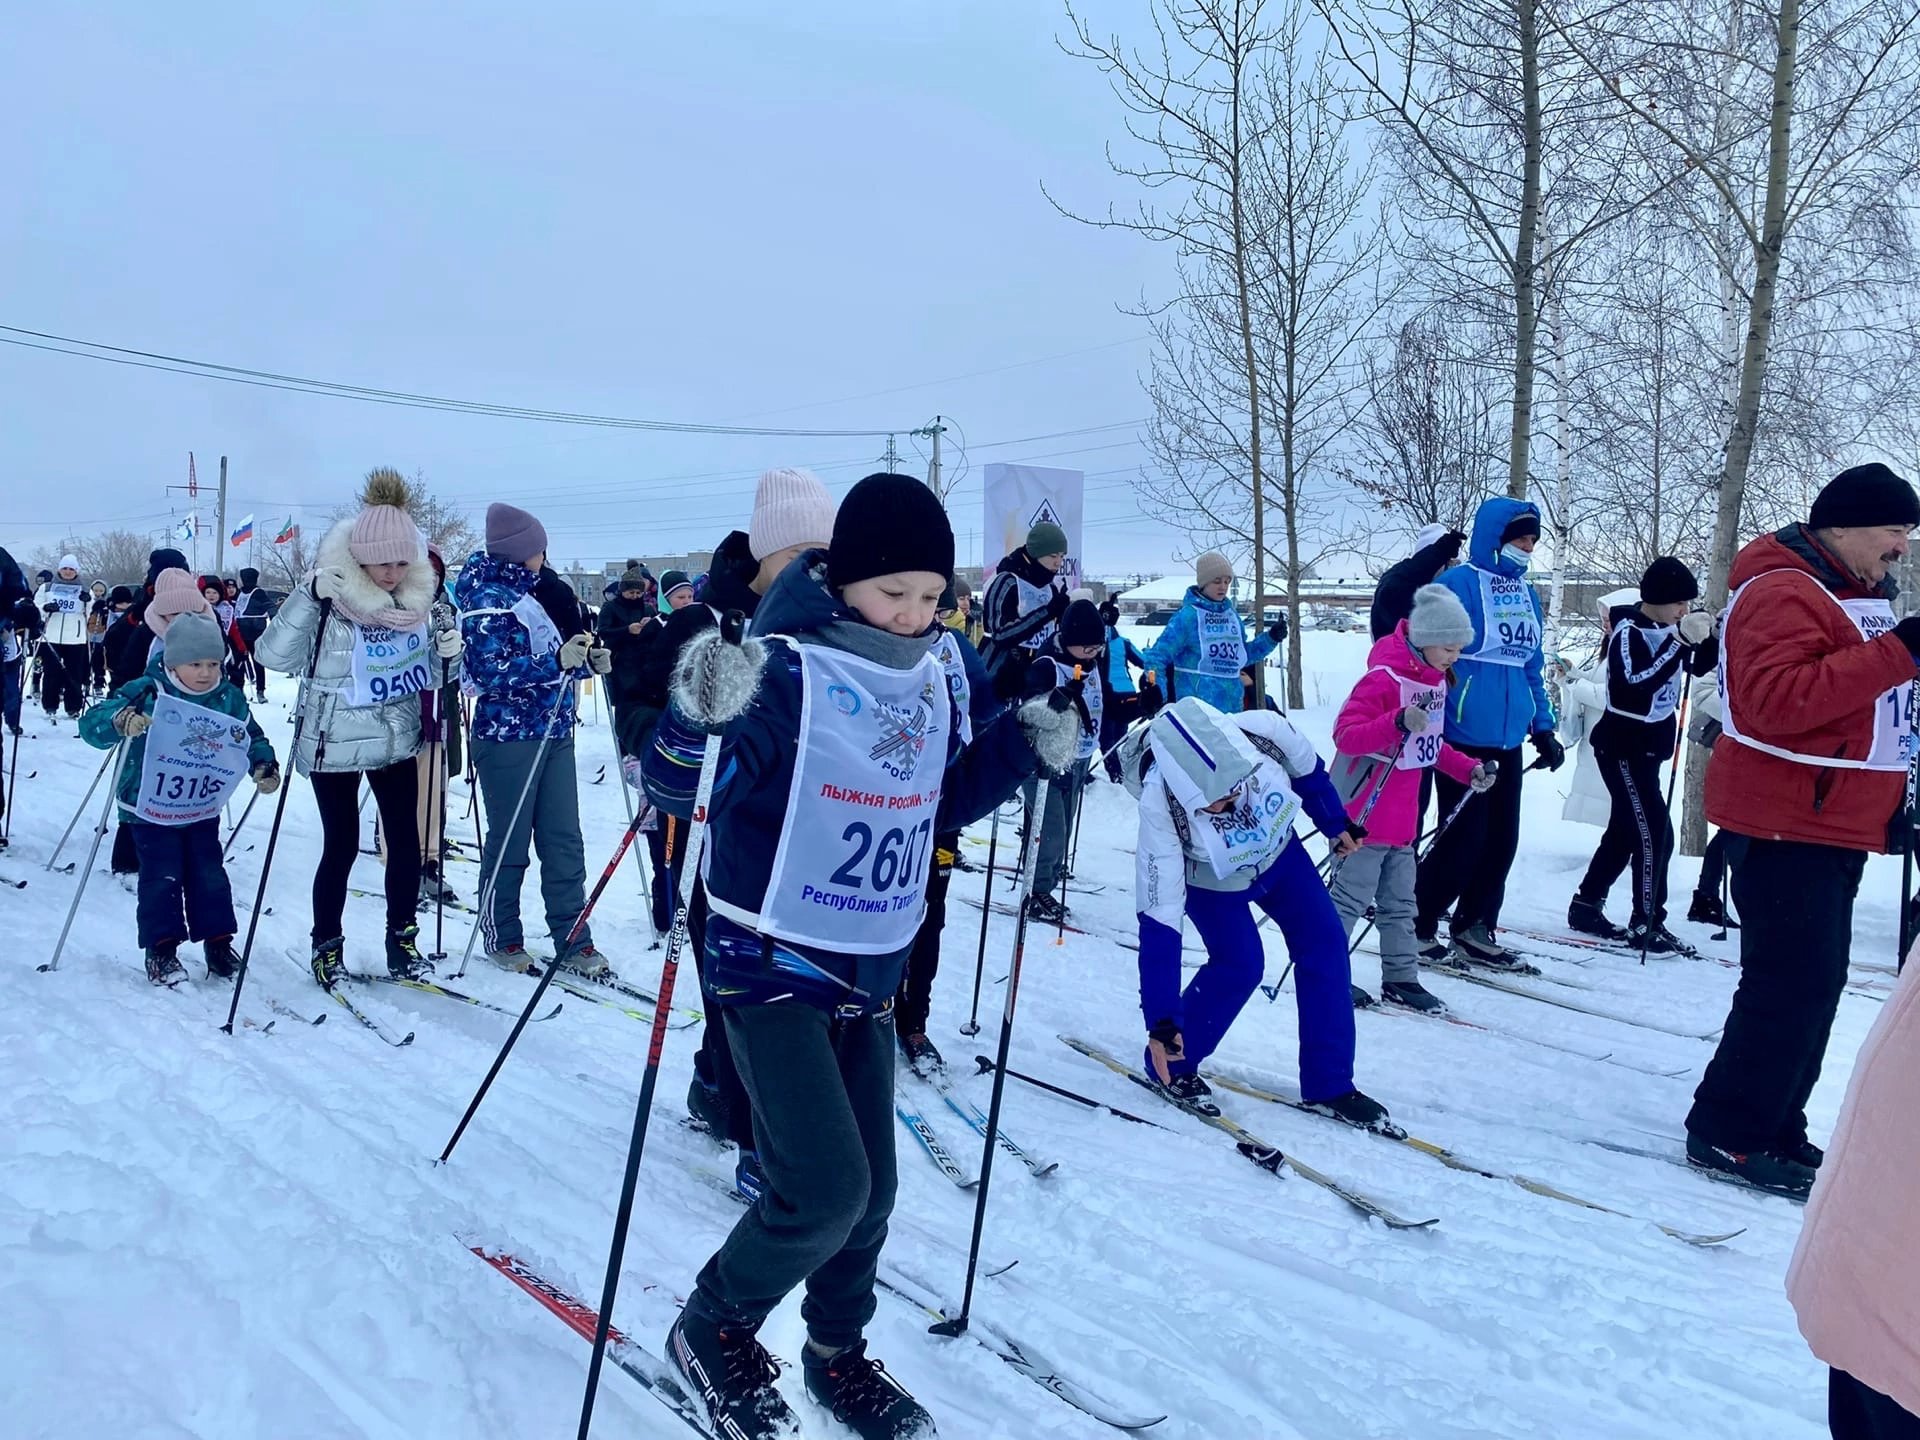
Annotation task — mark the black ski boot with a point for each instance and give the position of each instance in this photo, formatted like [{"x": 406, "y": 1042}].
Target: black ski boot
[
  {"x": 329, "y": 962},
  {"x": 404, "y": 960},
  {"x": 1362, "y": 1112},
  {"x": 1802, "y": 1152},
  {"x": 863, "y": 1396},
  {"x": 1361, "y": 999},
  {"x": 1431, "y": 948},
  {"x": 163, "y": 964},
  {"x": 922, "y": 1057},
  {"x": 1046, "y": 910},
  {"x": 1658, "y": 940},
  {"x": 731, "y": 1371},
  {"x": 705, "y": 1108},
  {"x": 1414, "y": 996},
  {"x": 1587, "y": 918},
  {"x": 1707, "y": 910},
  {"x": 1189, "y": 1092},
  {"x": 1476, "y": 945},
  {"x": 1761, "y": 1169},
  {"x": 222, "y": 959},
  {"x": 434, "y": 889}
]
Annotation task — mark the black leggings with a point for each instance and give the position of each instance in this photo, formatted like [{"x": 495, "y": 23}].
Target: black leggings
[
  {"x": 1639, "y": 833},
  {"x": 396, "y": 791}
]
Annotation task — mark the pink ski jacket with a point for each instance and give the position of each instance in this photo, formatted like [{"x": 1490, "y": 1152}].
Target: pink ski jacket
[{"x": 1366, "y": 737}]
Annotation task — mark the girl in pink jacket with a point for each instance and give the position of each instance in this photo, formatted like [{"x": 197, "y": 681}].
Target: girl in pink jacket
[
  {"x": 1855, "y": 1280},
  {"x": 1388, "y": 735}
]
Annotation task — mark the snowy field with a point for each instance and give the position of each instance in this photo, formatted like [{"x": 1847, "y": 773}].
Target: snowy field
[{"x": 236, "y": 1237}]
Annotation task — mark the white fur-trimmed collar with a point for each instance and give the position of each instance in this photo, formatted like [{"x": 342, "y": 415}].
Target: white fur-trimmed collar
[{"x": 414, "y": 592}]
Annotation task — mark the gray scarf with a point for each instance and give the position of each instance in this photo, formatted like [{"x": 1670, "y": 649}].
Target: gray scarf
[{"x": 869, "y": 642}]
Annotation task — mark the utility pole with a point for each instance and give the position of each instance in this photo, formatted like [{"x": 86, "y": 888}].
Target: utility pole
[
  {"x": 934, "y": 432},
  {"x": 192, "y": 487},
  {"x": 892, "y": 458},
  {"x": 220, "y": 520}
]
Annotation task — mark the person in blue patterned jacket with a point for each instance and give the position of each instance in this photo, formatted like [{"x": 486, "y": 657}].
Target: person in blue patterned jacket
[
  {"x": 841, "y": 760},
  {"x": 527, "y": 642},
  {"x": 1204, "y": 647}
]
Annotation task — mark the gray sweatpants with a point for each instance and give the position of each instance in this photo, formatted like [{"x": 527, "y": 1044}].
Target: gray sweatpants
[
  {"x": 822, "y": 1091},
  {"x": 551, "y": 818},
  {"x": 1381, "y": 876},
  {"x": 1063, "y": 794}
]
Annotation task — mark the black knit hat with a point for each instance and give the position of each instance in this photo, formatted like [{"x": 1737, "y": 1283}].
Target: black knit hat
[
  {"x": 249, "y": 577},
  {"x": 1863, "y": 496},
  {"x": 1522, "y": 525},
  {"x": 1081, "y": 625},
  {"x": 888, "y": 524},
  {"x": 948, "y": 600},
  {"x": 1667, "y": 582},
  {"x": 120, "y": 595}
]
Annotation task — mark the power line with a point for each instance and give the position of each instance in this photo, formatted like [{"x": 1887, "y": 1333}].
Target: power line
[{"x": 270, "y": 380}]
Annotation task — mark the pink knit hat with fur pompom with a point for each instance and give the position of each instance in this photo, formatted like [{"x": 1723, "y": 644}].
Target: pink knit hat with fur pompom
[{"x": 384, "y": 533}]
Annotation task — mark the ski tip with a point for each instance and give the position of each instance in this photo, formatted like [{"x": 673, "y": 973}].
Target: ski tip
[
  {"x": 952, "y": 1328},
  {"x": 406, "y": 1039}
]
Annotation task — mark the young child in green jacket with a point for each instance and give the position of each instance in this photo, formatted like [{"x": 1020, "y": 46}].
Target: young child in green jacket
[{"x": 207, "y": 742}]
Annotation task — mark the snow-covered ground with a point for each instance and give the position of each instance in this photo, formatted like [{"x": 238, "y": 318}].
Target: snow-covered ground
[{"x": 214, "y": 1236}]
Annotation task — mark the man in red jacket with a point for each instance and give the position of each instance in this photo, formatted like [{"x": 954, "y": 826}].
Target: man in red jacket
[{"x": 1817, "y": 687}]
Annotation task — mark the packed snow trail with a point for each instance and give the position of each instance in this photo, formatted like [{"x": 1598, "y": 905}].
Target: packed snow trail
[{"x": 215, "y": 1236}]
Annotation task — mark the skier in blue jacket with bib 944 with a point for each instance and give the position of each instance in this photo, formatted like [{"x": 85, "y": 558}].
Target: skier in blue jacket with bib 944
[
  {"x": 841, "y": 760},
  {"x": 1499, "y": 702},
  {"x": 1218, "y": 797}
]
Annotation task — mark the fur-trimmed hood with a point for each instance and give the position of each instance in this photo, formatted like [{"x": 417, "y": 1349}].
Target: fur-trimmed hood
[{"x": 414, "y": 592}]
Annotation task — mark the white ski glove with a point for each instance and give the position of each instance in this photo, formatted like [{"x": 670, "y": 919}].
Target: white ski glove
[
  {"x": 1696, "y": 626},
  {"x": 329, "y": 582},
  {"x": 1483, "y": 776},
  {"x": 1411, "y": 720},
  {"x": 716, "y": 679},
  {"x": 447, "y": 643},
  {"x": 573, "y": 654},
  {"x": 131, "y": 722},
  {"x": 600, "y": 658}
]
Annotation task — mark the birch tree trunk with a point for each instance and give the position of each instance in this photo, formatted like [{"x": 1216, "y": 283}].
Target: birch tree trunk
[{"x": 1525, "y": 250}]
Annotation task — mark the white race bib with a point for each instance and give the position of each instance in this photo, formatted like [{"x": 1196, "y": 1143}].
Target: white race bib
[
  {"x": 1090, "y": 693},
  {"x": 67, "y": 597},
  {"x": 1223, "y": 642},
  {"x": 389, "y": 664},
  {"x": 543, "y": 636},
  {"x": 1032, "y": 598},
  {"x": 1893, "y": 734},
  {"x": 1422, "y": 751},
  {"x": 1510, "y": 630},
  {"x": 195, "y": 758},
  {"x": 866, "y": 784},
  {"x": 947, "y": 651},
  {"x": 1246, "y": 838},
  {"x": 1664, "y": 642}
]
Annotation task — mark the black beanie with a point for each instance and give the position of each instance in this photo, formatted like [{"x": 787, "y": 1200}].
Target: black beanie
[
  {"x": 1668, "y": 582},
  {"x": 120, "y": 595},
  {"x": 1863, "y": 496},
  {"x": 948, "y": 600},
  {"x": 1522, "y": 525},
  {"x": 1081, "y": 625},
  {"x": 249, "y": 577},
  {"x": 888, "y": 524}
]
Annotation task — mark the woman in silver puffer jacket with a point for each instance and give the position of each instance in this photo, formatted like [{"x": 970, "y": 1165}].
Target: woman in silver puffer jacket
[{"x": 384, "y": 648}]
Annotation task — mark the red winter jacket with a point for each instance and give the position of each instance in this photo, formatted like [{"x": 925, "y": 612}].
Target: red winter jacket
[{"x": 1800, "y": 677}]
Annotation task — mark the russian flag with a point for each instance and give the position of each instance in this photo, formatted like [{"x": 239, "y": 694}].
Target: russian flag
[{"x": 242, "y": 533}]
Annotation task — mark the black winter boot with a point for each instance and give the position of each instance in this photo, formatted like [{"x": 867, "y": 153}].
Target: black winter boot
[
  {"x": 404, "y": 960},
  {"x": 163, "y": 964},
  {"x": 222, "y": 959},
  {"x": 1761, "y": 1169},
  {"x": 1707, "y": 910},
  {"x": 1586, "y": 917},
  {"x": 863, "y": 1396},
  {"x": 731, "y": 1371}
]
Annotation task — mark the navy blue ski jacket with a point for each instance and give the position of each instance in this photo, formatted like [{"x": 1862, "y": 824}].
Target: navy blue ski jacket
[{"x": 748, "y": 808}]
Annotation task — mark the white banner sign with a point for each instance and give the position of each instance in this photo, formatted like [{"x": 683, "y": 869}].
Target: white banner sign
[
  {"x": 195, "y": 759},
  {"x": 1020, "y": 497}
]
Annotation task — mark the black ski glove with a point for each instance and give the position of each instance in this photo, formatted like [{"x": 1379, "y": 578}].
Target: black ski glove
[
  {"x": 1552, "y": 753},
  {"x": 51, "y": 607},
  {"x": 1057, "y": 606},
  {"x": 1151, "y": 698},
  {"x": 1278, "y": 630}
]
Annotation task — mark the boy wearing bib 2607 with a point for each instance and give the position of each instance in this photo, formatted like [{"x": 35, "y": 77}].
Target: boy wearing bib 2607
[
  {"x": 1387, "y": 736},
  {"x": 190, "y": 742},
  {"x": 840, "y": 762}
]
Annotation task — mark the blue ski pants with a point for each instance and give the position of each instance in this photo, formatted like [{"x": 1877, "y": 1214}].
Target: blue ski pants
[{"x": 1291, "y": 892}]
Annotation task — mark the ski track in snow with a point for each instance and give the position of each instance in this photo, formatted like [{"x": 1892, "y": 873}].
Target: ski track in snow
[{"x": 214, "y": 1236}]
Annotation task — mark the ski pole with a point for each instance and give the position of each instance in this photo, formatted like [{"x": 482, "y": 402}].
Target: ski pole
[
  {"x": 639, "y": 851},
  {"x": 1906, "y": 859},
  {"x": 1030, "y": 862},
  {"x": 13, "y": 785},
  {"x": 484, "y": 905},
  {"x": 79, "y": 810},
  {"x": 643, "y": 1108},
  {"x": 280, "y": 804},
  {"x": 239, "y": 824},
  {"x": 972, "y": 1027},
  {"x": 1646, "y": 871},
  {"x": 984, "y": 1066},
  {"x": 437, "y": 826},
  {"x": 118, "y": 757}
]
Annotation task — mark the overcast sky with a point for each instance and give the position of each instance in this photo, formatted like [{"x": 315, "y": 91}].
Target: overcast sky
[{"x": 823, "y": 216}]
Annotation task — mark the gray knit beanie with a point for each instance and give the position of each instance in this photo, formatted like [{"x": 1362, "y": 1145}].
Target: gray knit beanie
[
  {"x": 192, "y": 637},
  {"x": 1438, "y": 618}
]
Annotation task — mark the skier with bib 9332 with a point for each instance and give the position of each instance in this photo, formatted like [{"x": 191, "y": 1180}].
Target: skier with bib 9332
[
  {"x": 841, "y": 761},
  {"x": 1218, "y": 797},
  {"x": 1205, "y": 647},
  {"x": 1501, "y": 700}
]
